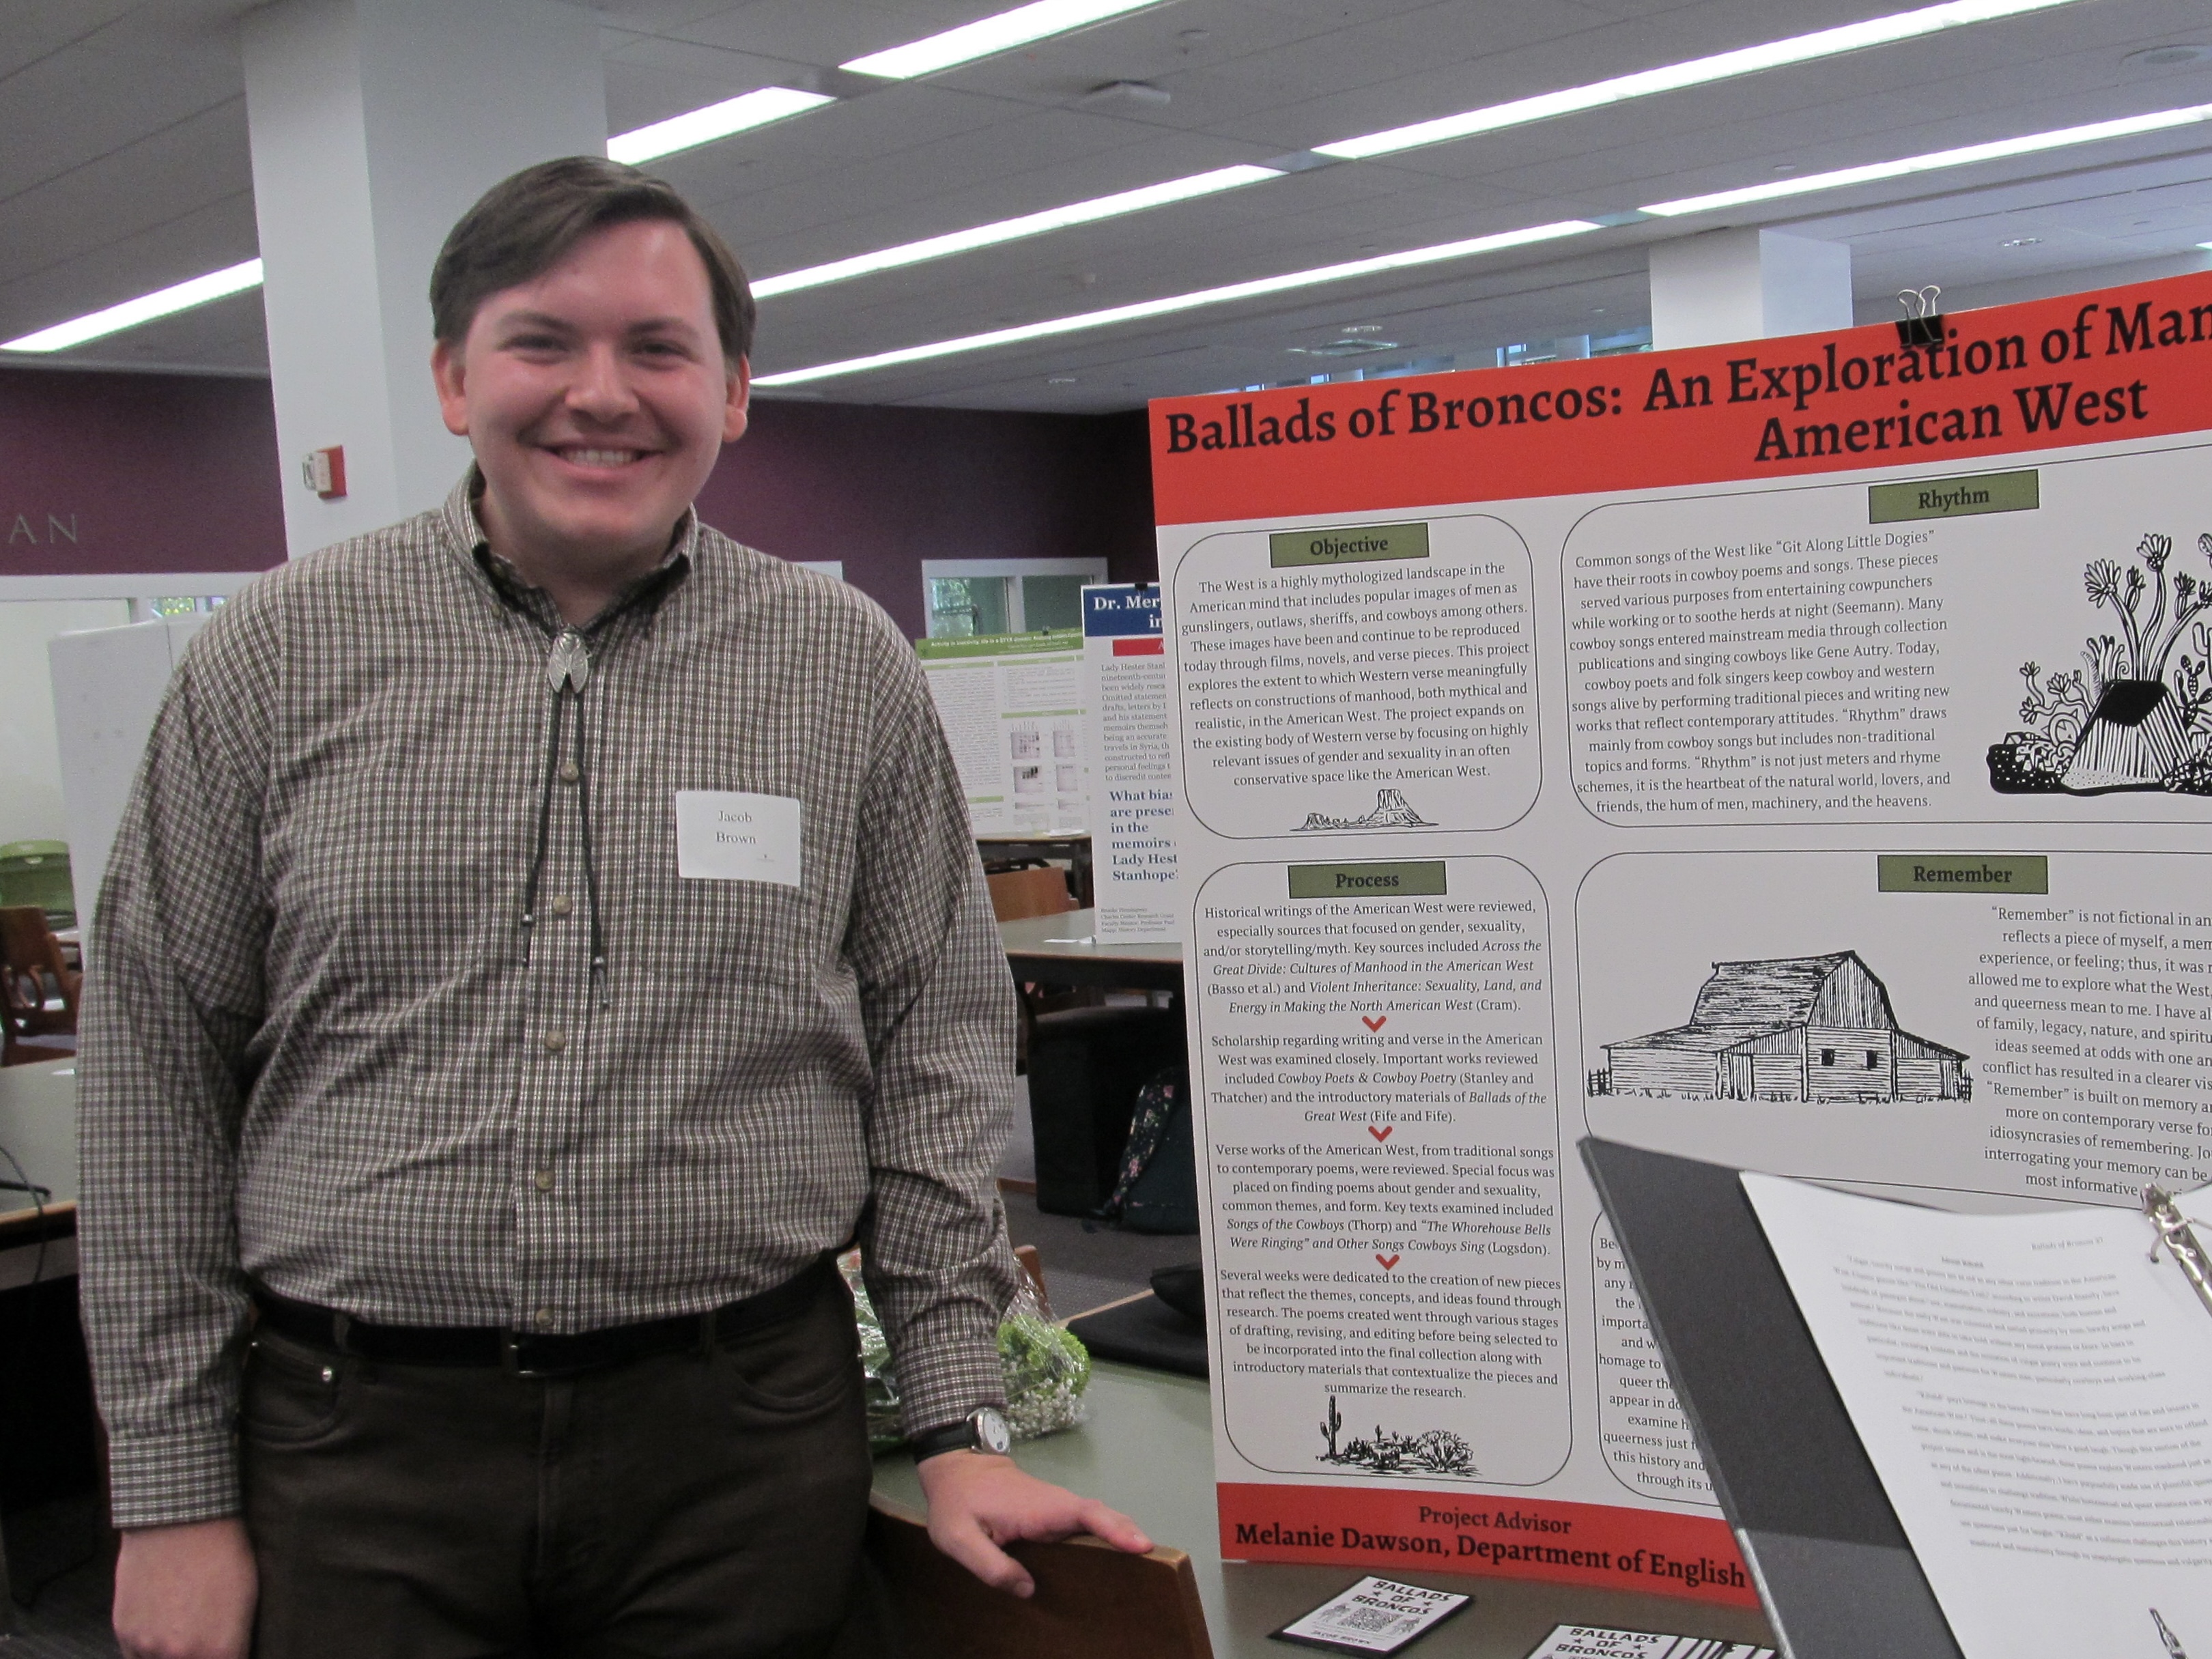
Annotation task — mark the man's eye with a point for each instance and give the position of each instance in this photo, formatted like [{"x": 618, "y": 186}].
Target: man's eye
[{"x": 534, "y": 343}]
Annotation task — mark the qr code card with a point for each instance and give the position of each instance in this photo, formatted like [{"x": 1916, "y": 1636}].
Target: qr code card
[{"x": 1376, "y": 1615}]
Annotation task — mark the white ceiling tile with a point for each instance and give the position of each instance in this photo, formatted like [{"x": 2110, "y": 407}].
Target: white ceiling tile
[{"x": 124, "y": 165}]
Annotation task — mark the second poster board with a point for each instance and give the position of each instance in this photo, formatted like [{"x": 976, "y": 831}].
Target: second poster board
[
  {"x": 1012, "y": 708},
  {"x": 1132, "y": 765},
  {"x": 1689, "y": 750}
]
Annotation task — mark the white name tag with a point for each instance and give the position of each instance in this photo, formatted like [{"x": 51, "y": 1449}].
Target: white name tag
[{"x": 724, "y": 835}]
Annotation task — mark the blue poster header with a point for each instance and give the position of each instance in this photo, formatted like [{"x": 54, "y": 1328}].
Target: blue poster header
[{"x": 1119, "y": 611}]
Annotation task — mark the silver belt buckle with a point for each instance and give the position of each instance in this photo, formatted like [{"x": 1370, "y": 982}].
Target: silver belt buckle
[{"x": 511, "y": 1354}]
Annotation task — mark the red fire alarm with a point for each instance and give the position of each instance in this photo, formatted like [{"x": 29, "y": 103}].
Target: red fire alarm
[{"x": 325, "y": 471}]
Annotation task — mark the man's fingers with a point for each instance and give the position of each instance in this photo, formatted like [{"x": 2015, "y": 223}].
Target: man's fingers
[
  {"x": 1115, "y": 1527},
  {"x": 968, "y": 1544}
]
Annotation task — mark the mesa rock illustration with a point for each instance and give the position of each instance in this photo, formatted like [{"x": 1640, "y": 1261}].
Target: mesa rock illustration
[
  {"x": 1391, "y": 812},
  {"x": 1787, "y": 1028}
]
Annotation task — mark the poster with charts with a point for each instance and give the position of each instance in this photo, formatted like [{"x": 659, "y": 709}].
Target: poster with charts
[
  {"x": 1012, "y": 706},
  {"x": 1795, "y": 753}
]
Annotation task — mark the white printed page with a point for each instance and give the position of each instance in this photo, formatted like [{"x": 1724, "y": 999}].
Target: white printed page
[
  {"x": 1043, "y": 731},
  {"x": 966, "y": 693},
  {"x": 1134, "y": 860},
  {"x": 1012, "y": 706},
  {"x": 2033, "y": 1392}
]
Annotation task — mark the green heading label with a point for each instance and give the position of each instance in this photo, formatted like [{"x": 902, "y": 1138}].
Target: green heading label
[
  {"x": 1954, "y": 498},
  {"x": 1968, "y": 872},
  {"x": 999, "y": 645},
  {"x": 1348, "y": 544},
  {"x": 1425, "y": 879}
]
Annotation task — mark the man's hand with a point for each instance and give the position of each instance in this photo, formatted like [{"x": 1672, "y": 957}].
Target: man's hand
[
  {"x": 978, "y": 1502},
  {"x": 185, "y": 1592}
]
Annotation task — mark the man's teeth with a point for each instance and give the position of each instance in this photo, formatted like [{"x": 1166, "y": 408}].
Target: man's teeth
[{"x": 601, "y": 457}]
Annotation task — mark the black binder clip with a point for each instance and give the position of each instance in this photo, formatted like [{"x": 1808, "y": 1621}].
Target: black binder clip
[{"x": 1920, "y": 325}]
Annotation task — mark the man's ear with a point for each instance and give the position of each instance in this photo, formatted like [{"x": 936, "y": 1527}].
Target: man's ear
[
  {"x": 737, "y": 401},
  {"x": 448, "y": 374}
]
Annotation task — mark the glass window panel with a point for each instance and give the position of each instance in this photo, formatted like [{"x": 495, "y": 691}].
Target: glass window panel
[
  {"x": 962, "y": 607},
  {"x": 1053, "y": 601}
]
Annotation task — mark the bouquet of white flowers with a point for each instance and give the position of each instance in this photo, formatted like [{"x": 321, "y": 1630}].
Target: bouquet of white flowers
[{"x": 1047, "y": 1368}]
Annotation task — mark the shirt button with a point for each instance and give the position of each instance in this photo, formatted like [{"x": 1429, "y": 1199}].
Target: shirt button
[
  {"x": 556, "y": 1042},
  {"x": 562, "y": 905},
  {"x": 543, "y": 1319},
  {"x": 542, "y": 1179},
  {"x": 568, "y": 773}
]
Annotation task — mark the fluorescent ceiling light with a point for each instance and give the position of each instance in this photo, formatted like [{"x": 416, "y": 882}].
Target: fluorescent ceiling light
[
  {"x": 2127, "y": 126},
  {"x": 1175, "y": 302},
  {"x": 1008, "y": 230},
  {"x": 233, "y": 279},
  {"x": 702, "y": 126},
  {"x": 1699, "y": 71},
  {"x": 986, "y": 35}
]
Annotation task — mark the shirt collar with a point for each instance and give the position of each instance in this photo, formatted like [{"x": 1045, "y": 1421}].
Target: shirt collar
[{"x": 464, "y": 534}]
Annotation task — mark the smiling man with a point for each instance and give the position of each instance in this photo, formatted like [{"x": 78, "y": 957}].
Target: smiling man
[{"x": 542, "y": 932}]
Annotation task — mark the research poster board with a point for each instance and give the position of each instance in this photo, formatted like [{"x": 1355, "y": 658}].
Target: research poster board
[
  {"x": 1796, "y": 754},
  {"x": 1012, "y": 706},
  {"x": 1133, "y": 855}
]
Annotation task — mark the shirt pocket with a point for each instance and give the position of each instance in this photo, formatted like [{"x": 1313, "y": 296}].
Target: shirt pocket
[
  {"x": 770, "y": 932},
  {"x": 755, "y": 932}
]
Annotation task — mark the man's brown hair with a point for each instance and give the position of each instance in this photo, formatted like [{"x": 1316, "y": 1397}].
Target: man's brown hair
[{"x": 524, "y": 225}]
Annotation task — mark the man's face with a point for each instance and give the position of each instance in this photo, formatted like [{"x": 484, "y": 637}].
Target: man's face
[{"x": 596, "y": 397}]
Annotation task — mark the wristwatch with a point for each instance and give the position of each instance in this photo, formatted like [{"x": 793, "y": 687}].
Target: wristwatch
[{"x": 983, "y": 1430}]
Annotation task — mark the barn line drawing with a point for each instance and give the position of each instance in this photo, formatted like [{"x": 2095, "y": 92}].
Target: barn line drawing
[{"x": 1790, "y": 1029}]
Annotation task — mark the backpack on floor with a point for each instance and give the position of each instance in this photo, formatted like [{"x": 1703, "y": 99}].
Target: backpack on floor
[{"x": 1157, "y": 1189}]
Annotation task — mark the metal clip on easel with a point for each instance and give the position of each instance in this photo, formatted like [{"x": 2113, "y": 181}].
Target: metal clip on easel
[{"x": 2180, "y": 1241}]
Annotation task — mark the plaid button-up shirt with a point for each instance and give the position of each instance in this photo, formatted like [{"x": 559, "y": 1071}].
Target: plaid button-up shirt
[{"x": 322, "y": 1047}]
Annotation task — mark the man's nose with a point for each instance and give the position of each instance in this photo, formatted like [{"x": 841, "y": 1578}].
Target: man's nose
[{"x": 600, "y": 388}]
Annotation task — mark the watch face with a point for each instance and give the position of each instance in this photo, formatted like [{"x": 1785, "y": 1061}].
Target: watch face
[{"x": 992, "y": 1434}]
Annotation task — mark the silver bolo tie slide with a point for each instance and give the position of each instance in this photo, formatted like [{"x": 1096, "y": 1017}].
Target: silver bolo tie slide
[{"x": 569, "y": 662}]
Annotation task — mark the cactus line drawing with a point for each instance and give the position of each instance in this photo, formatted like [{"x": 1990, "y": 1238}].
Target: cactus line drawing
[{"x": 1438, "y": 1451}]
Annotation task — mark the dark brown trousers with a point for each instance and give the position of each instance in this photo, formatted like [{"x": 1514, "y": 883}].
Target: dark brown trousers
[{"x": 694, "y": 1503}]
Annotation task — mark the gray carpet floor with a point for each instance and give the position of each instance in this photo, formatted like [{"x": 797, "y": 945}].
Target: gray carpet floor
[
  {"x": 57, "y": 1561},
  {"x": 1088, "y": 1264}
]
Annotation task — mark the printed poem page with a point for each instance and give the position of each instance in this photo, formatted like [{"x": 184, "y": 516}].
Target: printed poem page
[{"x": 2033, "y": 1393}]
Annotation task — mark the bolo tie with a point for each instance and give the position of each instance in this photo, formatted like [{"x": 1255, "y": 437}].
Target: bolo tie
[{"x": 568, "y": 668}]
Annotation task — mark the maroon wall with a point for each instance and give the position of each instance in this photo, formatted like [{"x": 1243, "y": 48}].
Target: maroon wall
[
  {"x": 173, "y": 473},
  {"x": 883, "y": 488},
  {"x": 152, "y": 473}
]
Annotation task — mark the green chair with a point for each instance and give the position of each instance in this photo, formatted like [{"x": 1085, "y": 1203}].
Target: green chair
[{"x": 38, "y": 872}]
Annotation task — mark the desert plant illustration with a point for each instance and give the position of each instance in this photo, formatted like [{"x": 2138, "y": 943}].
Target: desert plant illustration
[
  {"x": 1439, "y": 1451},
  {"x": 2137, "y": 714}
]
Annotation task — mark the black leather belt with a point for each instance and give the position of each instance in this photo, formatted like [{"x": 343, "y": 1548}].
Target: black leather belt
[{"x": 533, "y": 1353}]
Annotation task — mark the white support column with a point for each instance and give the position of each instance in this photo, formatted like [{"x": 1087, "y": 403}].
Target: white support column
[
  {"x": 374, "y": 123},
  {"x": 1747, "y": 284}
]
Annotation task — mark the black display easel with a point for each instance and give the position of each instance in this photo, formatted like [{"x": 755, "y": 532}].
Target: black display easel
[{"x": 1830, "y": 1559}]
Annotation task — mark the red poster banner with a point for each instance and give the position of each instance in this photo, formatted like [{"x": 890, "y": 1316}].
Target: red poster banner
[
  {"x": 2126, "y": 362},
  {"x": 1592, "y": 1544}
]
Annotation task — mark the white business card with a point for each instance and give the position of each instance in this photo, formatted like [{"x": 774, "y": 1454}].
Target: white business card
[
  {"x": 722, "y": 834},
  {"x": 1595, "y": 1642},
  {"x": 1376, "y": 1615}
]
